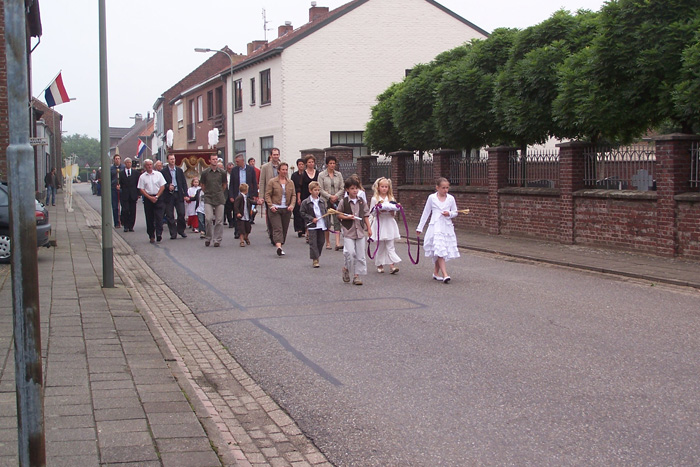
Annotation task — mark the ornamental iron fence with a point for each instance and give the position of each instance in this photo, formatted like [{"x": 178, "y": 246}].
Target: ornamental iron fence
[
  {"x": 471, "y": 170},
  {"x": 379, "y": 169},
  {"x": 695, "y": 165},
  {"x": 419, "y": 170},
  {"x": 621, "y": 168},
  {"x": 539, "y": 169}
]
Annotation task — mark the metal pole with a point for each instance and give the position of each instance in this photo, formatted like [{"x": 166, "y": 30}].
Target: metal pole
[
  {"x": 25, "y": 277},
  {"x": 107, "y": 222}
]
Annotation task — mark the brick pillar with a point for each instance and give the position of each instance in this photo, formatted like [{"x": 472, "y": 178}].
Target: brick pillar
[
  {"x": 398, "y": 167},
  {"x": 363, "y": 168},
  {"x": 498, "y": 178},
  {"x": 319, "y": 154},
  {"x": 342, "y": 153},
  {"x": 571, "y": 174},
  {"x": 672, "y": 172},
  {"x": 441, "y": 163}
]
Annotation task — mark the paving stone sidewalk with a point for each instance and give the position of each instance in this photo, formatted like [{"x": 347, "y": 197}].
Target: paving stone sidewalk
[{"x": 131, "y": 376}]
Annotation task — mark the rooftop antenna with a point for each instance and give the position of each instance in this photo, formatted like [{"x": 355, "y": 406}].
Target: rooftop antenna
[{"x": 265, "y": 22}]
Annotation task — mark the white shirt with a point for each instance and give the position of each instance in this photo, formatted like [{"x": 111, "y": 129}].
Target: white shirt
[
  {"x": 151, "y": 183},
  {"x": 321, "y": 223}
]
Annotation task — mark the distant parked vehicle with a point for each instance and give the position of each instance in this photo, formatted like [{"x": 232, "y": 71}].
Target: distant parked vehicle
[{"x": 43, "y": 228}]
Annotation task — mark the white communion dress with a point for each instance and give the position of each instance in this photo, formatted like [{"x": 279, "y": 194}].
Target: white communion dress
[
  {"x": 386, "y": 228},
  {"x": 440, "y": 240}
]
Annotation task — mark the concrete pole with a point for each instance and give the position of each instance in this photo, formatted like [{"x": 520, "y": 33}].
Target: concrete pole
[
  {"x": 25, "y": 278},
  {"x": 107, "y": 221}
]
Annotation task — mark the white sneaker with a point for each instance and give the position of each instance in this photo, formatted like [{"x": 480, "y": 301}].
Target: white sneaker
[{"x": 437, "y": 278}]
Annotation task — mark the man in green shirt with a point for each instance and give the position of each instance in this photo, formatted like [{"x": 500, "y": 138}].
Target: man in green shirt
[{"x": 213, "y": 182}]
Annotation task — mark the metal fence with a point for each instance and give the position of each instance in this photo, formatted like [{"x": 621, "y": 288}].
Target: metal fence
[
  {"x": 419, "y": 170},
  {"x": 379, "y": 169},
  {"x": 347, "y": 168},
  {"x": 695, "y": 165},
  {"x": 534, "y": 169},
  {"x": 622, "y": 168},
  {"x": 472, "y": 169}
]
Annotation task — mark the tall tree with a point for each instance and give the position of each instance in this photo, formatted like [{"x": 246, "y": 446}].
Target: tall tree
[
  {"x": 381, "y": 136},
  {"x": 87, "y": 149}
]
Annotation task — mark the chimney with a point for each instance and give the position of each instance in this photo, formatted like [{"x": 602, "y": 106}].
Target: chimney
[
  {"x": 287, "y": 28},
  {"x": 138, "y": 118},
  {"x": 255, "y": 45},
  {"x": 316, "y": 12}
]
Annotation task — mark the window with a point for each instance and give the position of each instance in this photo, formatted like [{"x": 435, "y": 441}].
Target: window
[
  {"x": 265, "y": 91},
  {"x": 218, "y": 100},
  {"x": 266, "y": 145},
  {"x": 252, "y": 91},
  {"x": 237, "y": 95},
  {"x": 210, "y": 104},
  {"x": 190, "y": 121},
  {"x": 180, "y": 114},
  {"x": 200, "y": 109},
  {"x": 351, "y": 139},
  {"x": 239, "y": 146}
]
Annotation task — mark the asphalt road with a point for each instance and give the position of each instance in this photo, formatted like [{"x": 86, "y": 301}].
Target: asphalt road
[{"x": 512, "y": 363}]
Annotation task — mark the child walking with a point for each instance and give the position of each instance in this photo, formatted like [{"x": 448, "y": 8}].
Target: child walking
[
  {"x": 353, "y": 214},
  {"x": 440, "y": 242},
  {"x": 191, "y": 205},
  {"x": 385, "y": 230},
  {"x": 243, "y": 210},
  {"x": 312, "y": 210}
]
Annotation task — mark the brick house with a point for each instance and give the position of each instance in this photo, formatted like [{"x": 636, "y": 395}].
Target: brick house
[
  {"x": 315, "y": 86},
  {"x": 127, "y": 145},
  {"x": 169, "y": 106},
  {"x": 48, "y": 124}
]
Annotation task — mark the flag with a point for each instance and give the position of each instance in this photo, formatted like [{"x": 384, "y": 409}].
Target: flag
[
  {"x": 56, "y": 93},
  {"x": 141, "y": 149}
]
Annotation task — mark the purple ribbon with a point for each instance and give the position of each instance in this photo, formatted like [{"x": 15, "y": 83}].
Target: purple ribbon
[{"x": 408, "y": 243}]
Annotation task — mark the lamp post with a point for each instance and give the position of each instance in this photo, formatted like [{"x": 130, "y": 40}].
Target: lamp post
[{"x": 232, "y": 139}]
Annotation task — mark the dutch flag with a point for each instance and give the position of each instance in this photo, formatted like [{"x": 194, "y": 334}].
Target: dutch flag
[
  {"x": 141, "y": 149},
  {"x": 56, "y": 93}
]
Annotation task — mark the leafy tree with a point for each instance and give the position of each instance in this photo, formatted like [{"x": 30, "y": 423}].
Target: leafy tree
[
  {"x": 686, "y": 93},
  {"x": 623, "y": 84},
  {"x": 464, "y": 95},
  {"x": 87, "y": 149},
  {"x": 380, "y": 134}
]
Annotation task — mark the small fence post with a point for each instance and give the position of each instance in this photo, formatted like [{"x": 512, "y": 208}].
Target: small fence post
[
  {"x": 442, "y": 160},
  {"x": 672, "y": 172},
  {"x": 572, "y": 166},
  {"x": 498, "y": 178},
  {"x": 363, "y": 168}
]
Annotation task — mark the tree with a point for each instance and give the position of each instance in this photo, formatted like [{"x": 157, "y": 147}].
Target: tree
[
  {"x": 685, "y": 94},
  {"x": 87, "y": 149},
  {"x": 464, "y": 96},
  {"x": 381, "y": 136}
]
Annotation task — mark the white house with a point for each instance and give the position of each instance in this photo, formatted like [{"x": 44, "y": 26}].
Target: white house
[{"x": 314, "y": 87}]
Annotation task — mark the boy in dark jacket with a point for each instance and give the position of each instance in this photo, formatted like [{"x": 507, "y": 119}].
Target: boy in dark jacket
[
  {"x": 312, "y": 210},
  {"x": 243, "y": 210}
]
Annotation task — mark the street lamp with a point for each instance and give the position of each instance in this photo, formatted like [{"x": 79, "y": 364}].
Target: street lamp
[{"x": 233, "y": 110}]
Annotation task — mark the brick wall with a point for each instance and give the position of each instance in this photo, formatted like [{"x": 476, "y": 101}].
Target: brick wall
[
  {"x": 688, "y": 220},
  {"x": 527, "y": 214}
]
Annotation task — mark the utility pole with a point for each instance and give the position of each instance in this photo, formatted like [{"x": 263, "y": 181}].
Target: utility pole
[
  {"x": 107, "y": 221},
  {"x": 25, "y": 278}
]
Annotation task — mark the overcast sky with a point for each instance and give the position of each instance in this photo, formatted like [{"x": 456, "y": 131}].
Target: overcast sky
[{"x": 150, "y": 43}]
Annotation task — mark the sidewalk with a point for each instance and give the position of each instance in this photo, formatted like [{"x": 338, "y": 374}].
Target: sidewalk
[{"x": 130, "y": 375}]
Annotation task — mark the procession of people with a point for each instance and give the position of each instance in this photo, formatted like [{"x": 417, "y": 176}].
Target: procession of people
[{"x": 321, "y": 204}]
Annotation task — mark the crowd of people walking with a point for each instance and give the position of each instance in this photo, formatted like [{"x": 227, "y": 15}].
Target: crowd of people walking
[{"x": 323, "y": 205}]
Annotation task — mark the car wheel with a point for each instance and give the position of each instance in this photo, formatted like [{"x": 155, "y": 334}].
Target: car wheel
[{"x": 5, "y": 251}]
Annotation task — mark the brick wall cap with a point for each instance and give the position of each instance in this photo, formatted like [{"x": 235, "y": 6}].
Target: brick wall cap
[
  {"x": 401, "y": 154},
  {"x": 446, "y": 152},
  {"x": 501, "y": 148},
  {"x": 311, "y": 150},
  {"x": 615, "y": 194},
  {"x": 368, "y": 157},
  {"x": 690, "y": 196},
  {"x": 677, "y": 137},
  {"x": 338, "y": 148}
]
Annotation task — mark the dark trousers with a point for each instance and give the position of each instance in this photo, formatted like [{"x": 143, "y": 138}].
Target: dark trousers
[
  {"x": 175, "y": 205},
  {"x": 243, "y": 227},
  {"x": 280, "y": 223},
  {"x": 268, "y": 224},
  {"x": 128, "y": 213},
  {"x": 228, "y": 214},
  {"x": 154, "y": 217},
  {"x": 299, "y": 222},
  {"x": 115, "y": 206},
  {"x": 316, "y": 241}
]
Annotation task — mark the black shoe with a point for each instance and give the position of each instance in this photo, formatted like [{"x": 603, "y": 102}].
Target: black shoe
[
  {"x": 236, "y": 236},
  {"x": 159, "y": 238},
  {"x": 183, "y": 235},
  {"x": 173, "y": 237},
  {"x": 125, "y": 229},
  {"x": 152, "y": 240},
  {"x": 231, "y": 226},
  {"x": 131, "y": 230}
]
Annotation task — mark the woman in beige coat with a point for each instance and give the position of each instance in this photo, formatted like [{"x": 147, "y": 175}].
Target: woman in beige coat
[
  {"x": 332, "y": 191},
  {"x": 280, "y": 198}
]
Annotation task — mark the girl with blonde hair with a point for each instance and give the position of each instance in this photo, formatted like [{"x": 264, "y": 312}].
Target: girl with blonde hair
[{"x": 385, "y": 230}]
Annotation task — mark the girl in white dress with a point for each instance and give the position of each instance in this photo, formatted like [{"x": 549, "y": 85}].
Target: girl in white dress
[
  {"x": 383, "y": 207},
  {"x": 191, "y": 206},
  {"x": 440, "y": 242}
]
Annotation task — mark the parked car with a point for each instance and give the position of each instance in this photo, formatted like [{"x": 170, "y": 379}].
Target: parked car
[{"x": 43, "y": 228}]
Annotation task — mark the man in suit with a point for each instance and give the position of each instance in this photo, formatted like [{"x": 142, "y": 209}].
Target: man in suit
[
  {"x": 115, "y": 170},
  {"x": 128, "y": 184},
  {"x": 269, "y": 171},
  {"x": 175, "y": 195},
  {"x": 242, "y": 173}
]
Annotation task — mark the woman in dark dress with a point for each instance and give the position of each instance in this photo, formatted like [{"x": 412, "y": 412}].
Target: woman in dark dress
[
  {"x": 309, "y": 175},
  {"x": 299, "y": 224}
]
